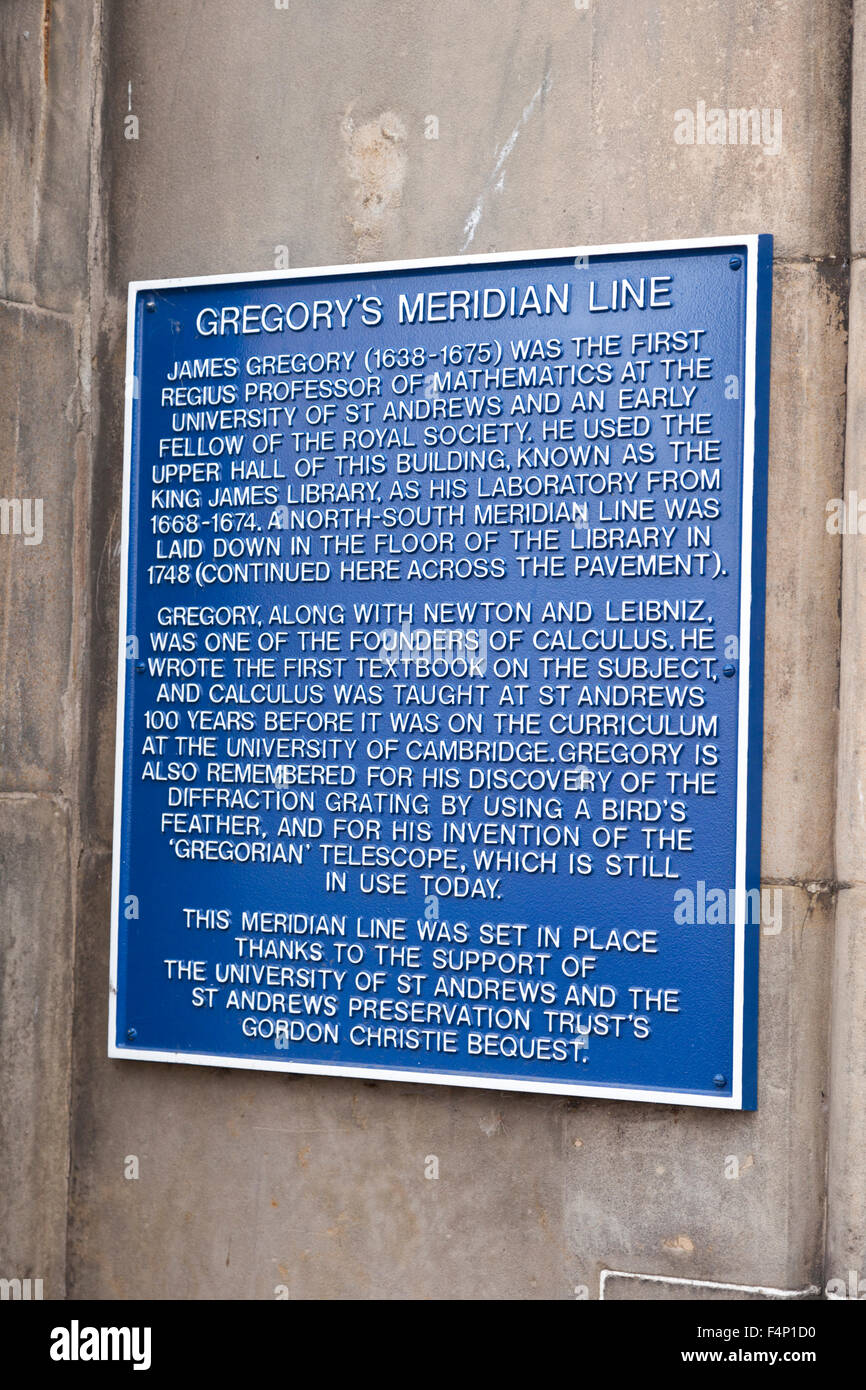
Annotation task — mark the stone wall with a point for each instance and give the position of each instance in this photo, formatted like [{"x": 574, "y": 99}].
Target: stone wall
[{"x": 306, "y": 130}]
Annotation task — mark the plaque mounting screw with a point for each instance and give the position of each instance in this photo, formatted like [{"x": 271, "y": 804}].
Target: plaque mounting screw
[
  {"x": 150, "y": 305},
  {"x": 735, "y": 262},
  {"x": 729, "y": 670},
  {"x": 132, "y": 1034},
  {"x": 719, "y": 1081},
  {"x": 140, "y": 666}
]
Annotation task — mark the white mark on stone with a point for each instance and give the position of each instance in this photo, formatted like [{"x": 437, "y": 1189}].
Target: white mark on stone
[{"x": 496, "y": 179}]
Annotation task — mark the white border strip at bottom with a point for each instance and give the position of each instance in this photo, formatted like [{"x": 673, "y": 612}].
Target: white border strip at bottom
[{"x": 703, "y": 1284}]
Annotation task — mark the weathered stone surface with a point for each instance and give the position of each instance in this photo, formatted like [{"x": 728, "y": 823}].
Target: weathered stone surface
[
  {"x": 807, "y": 432},
  {"x": 851, "y": 827},
  {"x": 46, "y": 97},
  {"x": 857, "y": 126},
  {"x": 846, "y": 1196},
  {"x": 21, "y": 98},
  {"x": 846, "y": 1235},
  {"x": 39, "y": 456},
  {"x": 555, "y": 127},
  {"x": 40, "y": 663},
  {"x": 35, "y": 1037},
  {"x": 103, "y": 567}
]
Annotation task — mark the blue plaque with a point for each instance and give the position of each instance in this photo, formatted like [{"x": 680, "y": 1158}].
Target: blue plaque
[{"x": 440, "y": 672}]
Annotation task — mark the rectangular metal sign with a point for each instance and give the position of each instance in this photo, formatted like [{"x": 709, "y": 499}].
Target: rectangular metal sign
[{"x": 440, "y": 671}]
